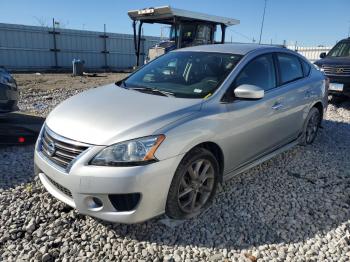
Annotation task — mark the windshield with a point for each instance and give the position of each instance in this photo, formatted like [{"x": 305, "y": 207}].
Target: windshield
[
  {"x": 185, "y": 74},
  {"x": 340, "y": 50}
]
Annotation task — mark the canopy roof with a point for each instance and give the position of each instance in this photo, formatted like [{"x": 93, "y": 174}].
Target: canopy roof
[{"x": 166, "y": 14}]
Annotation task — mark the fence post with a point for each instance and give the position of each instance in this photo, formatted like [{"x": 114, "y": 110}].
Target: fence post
[
  {"x": 105, "y": 51},
  {"x": 54, "y": 49}
]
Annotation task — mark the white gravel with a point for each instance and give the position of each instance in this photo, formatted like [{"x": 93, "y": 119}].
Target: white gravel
[{"x": 295, "y": 207}]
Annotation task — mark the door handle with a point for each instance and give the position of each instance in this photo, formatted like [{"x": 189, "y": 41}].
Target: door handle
[{"x": 277, "y": 106}]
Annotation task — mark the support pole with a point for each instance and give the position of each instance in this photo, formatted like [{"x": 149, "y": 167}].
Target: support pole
[
  {"x": 262, "y": 23},
  {"x": 138, "y": 45},
  {"x": 134, "y": 31},
  {"x": 223, "y": 33},
  {"x": 176, "y": 28}
]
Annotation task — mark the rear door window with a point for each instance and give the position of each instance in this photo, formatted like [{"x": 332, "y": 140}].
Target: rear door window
[{"x": 289, "y": 67}]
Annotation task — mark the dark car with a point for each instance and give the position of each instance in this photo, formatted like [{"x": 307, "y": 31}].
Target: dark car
[
  {"x": 336, "y": 66},
  {"x": 8, "y": 92}
]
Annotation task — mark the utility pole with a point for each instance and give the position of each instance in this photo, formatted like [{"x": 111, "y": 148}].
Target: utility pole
[
  {"x": 349, "y": 30},
  {"x": 262, "y": 22}
]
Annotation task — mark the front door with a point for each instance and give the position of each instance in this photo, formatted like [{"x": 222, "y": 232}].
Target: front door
[{"x": 252, "y": 127}]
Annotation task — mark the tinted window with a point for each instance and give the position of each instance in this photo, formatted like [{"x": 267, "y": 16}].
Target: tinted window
[
  {"x": 259, "y": 72},
  {"x": 290, "y": 68},
  {"x": 306, "y": 67}
]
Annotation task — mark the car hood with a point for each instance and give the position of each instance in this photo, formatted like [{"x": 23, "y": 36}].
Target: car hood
[
  {"x": 339, "y": 61},
  {"x": 109, "y": 114}
]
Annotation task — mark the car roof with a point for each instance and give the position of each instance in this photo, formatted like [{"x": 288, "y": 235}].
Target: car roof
[{"x": 234, "y": 48}]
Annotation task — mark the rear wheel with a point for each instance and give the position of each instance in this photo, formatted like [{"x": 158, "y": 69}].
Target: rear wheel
[
  {"x": 311, "y": 127},
  {"x": 194, "y": 184}
]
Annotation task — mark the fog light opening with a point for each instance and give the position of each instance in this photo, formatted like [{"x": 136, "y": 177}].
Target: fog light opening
[
  {"x": 125, "y": 202},
  {"x": 93, "y": 203}
]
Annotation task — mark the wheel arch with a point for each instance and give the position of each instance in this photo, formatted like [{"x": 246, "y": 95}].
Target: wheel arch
[
  {"x": 320, "y": 108},
  {"x": 216, "y": 150}
]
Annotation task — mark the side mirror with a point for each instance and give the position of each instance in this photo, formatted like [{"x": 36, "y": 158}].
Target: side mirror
[
  {"x": 121, "y": 81},
  {"x": 323, "y": 55},
  {"x": 249, "y": 92}
]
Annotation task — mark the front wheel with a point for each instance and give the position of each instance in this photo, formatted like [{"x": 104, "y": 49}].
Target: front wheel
[
  {"x": 311, "y": 127},
  {"x": 194, "y": 185}
]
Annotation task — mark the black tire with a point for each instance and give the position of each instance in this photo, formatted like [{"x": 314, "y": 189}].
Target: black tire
[
  {"x": 183, "y": 182},
  {"x": 311, "y": 127}
]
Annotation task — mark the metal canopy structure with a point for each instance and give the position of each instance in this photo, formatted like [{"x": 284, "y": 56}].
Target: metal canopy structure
[
  {"x": 166, "y": 14},
  {"x": 173, "y": 16}
]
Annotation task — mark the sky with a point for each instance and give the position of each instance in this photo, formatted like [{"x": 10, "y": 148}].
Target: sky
[{"x": 307, "y": 22}]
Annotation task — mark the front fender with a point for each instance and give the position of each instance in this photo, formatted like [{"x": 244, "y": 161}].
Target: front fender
[{"x": 187, "y": 133}]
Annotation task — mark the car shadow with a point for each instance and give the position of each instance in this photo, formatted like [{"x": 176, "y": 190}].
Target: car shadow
[
  {"x": 18, "y": 133},
  {"x": 340, "y": 101},
  {"x": 291, "y": 198}
]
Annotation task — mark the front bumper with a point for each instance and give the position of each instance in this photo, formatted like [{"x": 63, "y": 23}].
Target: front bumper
[
  {"x": 345, "y": 80},
  {"x": 83, "y": 182}
]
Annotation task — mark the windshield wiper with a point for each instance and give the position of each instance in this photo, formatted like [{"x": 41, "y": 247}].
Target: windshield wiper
[{"x": 150, "y": 90}]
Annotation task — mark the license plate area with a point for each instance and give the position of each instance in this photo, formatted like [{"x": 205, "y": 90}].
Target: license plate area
[{"x": 336, "y": 87}]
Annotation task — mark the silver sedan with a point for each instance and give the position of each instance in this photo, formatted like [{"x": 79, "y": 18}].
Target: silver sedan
[{"x": 162, "y": 139}]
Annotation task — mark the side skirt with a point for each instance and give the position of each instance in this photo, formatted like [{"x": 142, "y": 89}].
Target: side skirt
[{"x": 260, "y": 160}]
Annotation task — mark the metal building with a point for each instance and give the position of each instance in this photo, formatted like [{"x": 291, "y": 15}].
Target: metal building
[{"x": 34, "y": 48}]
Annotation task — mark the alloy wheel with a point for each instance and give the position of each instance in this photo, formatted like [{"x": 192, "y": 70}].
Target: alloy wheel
[
  {"x": 312, "y": 127},
  {"x": 196, "y": 186}
]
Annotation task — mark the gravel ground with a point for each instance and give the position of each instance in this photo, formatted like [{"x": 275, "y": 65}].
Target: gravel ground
[
  {"x": 41, "y": 93},
  {"x": 294, "y": 207}
]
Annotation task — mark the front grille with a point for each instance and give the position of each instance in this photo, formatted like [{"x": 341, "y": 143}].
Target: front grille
[
  {"x": 59, "y": 187},
  {"x": 59, "y": 150},
  {"x": 336, "y": 70}
]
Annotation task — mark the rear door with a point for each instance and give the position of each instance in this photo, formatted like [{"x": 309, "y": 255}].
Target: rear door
[{"x": 293, "y": 92}]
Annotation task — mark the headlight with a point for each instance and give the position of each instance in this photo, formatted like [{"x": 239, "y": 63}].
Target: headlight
[{"x": 133, "y": 152}]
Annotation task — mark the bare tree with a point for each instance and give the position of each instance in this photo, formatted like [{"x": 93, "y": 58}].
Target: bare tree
[
  {"x": 42, "y": 21},
  {"x": 45, "y": 22}
]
